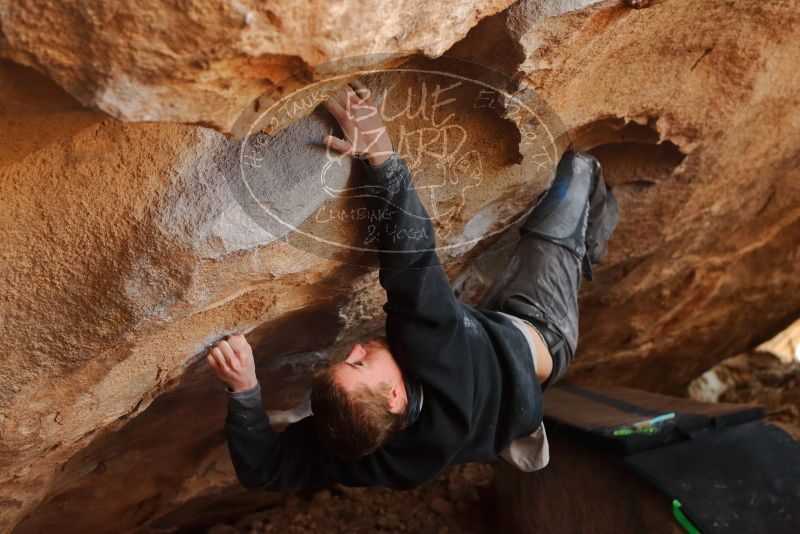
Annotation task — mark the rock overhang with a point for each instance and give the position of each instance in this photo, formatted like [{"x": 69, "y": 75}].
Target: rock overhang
[{"x": 127, "y": 258}]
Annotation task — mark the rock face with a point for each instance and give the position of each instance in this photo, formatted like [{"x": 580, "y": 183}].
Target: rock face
[
  {"x": 203, "y": 61},
  {"x": 126, "y": 250}
]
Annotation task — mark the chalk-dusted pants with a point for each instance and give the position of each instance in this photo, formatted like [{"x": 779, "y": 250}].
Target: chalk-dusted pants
[{"x": 566, "y": 232}]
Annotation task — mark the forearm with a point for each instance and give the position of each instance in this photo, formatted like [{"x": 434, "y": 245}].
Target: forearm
[
  {"x": 268, "y": 460},
  {"x": 399, "y": 226},
  {"x": 410, "y": 272},
  {"x": 251, "y": 440}
]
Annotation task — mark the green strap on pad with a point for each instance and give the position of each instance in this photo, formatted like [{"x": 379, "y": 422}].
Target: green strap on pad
[{"x": 682, "y": 519}]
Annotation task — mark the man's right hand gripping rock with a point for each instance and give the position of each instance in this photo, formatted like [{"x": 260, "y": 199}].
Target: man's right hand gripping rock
[{"x": 232, "y": 361}]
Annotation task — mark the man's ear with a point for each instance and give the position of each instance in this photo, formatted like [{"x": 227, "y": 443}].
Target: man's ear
[{"x": 393, "y": 400}]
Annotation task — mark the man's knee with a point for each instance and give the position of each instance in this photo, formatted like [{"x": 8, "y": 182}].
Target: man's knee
[{"x": 562, "y": 351}]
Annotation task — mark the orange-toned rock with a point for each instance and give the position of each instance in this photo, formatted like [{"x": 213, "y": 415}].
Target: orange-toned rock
[
  {"x": 131, "y": 247},
  {"x": 687, "y": 115},
  {"x": 126, "y": 249},
  {"x": 203, "y": 61}
]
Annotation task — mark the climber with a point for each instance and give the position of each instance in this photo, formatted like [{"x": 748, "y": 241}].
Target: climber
[{"x": 449, "y": 383}]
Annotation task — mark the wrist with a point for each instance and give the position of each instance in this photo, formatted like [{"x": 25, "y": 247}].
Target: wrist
[
  {"x": 241, "y": 387},
  {"x": 380, "y": 154},
  {"x": 246, "y": 399},
  {"x": 378, "y": 159}
]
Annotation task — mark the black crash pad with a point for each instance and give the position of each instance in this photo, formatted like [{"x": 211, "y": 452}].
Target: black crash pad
[
  {"x": 608, "y": 415},
  {"x": 730, "y": 473},
  {"x": 744, "y": 478}
]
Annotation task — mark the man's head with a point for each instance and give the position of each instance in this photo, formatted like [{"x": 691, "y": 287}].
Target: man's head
[{"x": 360, "y": 402}]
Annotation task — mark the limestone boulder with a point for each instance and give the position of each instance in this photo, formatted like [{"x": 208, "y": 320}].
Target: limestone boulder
[
  {"x": 131, "y": 247},
  {"x": 127, "y": 248},
  {"x": 682, "y": 104},
  {"x": 203, "y": 62}
]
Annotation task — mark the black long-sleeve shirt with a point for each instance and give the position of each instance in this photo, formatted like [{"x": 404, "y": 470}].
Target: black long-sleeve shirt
[{"x": 475, "y": 366}]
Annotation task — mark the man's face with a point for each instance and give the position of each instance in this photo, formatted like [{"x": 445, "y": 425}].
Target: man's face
[{"x": 369, "y": 363}]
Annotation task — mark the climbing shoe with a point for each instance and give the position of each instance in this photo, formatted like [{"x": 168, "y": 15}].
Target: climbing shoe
[{"x": 578, "y": 212}]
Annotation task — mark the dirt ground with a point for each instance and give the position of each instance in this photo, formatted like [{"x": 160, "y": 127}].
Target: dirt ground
[{"x": 457, "y": 501}]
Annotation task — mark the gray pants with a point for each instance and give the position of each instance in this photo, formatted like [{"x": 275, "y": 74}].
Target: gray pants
[
  {"x": 541, "y": 281},
  {"x": 540, "y": 284}
]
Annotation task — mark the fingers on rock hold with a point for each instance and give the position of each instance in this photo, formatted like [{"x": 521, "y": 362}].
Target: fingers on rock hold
[
  {"x": 237, "y": 342},
  {"x": 335, "y": 108},
  {"x": 338, "y": 99},
  {"x": 338, "y": 144},
  {"x": 361, "y": 90},
  {"x": 219, "y": 359},
  {"x": 227, "y": 351}
]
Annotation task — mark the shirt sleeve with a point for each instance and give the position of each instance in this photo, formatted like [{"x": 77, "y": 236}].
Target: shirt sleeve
[
  {"x": 243, "y": 400},
  {"x": 267, "y": 460},
  {"x": 417, "y": 289},
  {"x": 295, "y": 459}
]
